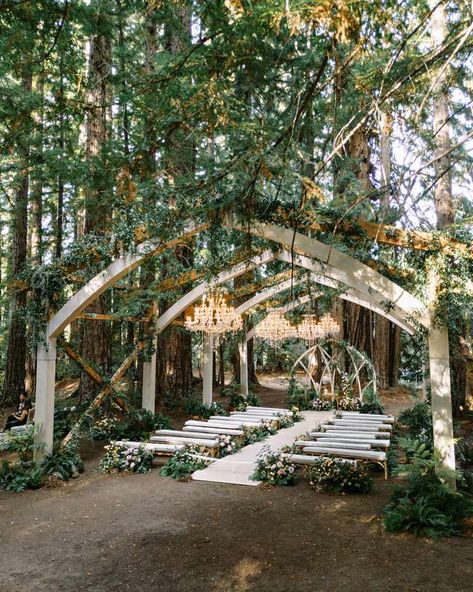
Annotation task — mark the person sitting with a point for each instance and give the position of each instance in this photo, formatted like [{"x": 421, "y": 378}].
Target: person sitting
[{"x": 20, "y": 417}]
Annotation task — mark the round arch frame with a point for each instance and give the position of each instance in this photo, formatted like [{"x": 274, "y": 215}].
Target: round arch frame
[{"x": 325, "y": 261}]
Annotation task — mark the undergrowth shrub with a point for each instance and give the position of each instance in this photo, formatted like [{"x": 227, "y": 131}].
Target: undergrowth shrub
[
  {"x": 19, "y": 442},
  {"x": 196, "y": 408},
  {"x": 332, "y": 475},
  {"x": 423, "y": 504},
  {"x": 21, "y": 476},
  {"x": 63, "y": 463},
  {"x": 416, "y": 423},
  {"x": 136, "y": 424}
]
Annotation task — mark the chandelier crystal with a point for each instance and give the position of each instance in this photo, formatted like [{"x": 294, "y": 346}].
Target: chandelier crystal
[{"x": 213, "y": 316}]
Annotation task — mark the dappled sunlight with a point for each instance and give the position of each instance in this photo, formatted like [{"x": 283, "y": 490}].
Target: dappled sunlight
[{"x": 239, "y": 579}]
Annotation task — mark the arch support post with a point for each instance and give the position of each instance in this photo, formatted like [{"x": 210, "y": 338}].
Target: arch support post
[
  {"x": 207, "y": 370},
  {"x": 243, "y": 349},
  {"x": 44, "y": 403},
  {"x": 442, "y": 420},
  {"x": 148, "y": 395}
]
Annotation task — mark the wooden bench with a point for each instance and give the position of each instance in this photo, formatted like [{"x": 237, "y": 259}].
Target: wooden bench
[
  {"x": 374, "y": 456},
  {"x": 236, "y": 420},
  {"x": 210, "y": 444},
  {"x": 373, "y": 442},
  {"x": 380, "y": 426},
  {"x": 183, "y": 434},
  {"x": 277, "y": 409},
  {"x": 212, "y": 430},
  {"x": 348, "y": 445},
  {"x": 349, "y": 430},
  {"x": 161, "y": 449},
  {"x": 311, "y": 460},
  {"x": 367, "y": 416},
  {"x": 213, "y": 423}
]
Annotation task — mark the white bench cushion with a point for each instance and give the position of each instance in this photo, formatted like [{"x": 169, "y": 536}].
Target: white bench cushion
[
  {"x": 212, "y": 430},
  {"x": 349, "y": 445},
  {"x": 184, "y": 434},
  {"x": 367, "y": 454},
  {"x": 184, "y": 440}
]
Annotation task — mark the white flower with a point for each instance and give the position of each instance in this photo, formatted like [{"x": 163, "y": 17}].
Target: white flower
[
  {"x": 132, "y": 465},
  {"x": 291, "y": 470}
]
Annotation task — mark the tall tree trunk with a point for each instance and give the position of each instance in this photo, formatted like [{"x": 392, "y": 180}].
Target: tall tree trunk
[
  {"x": 174, "y": 359},
  {"x": 16, "y": 342},
  {"x": 95, "y": 336}
]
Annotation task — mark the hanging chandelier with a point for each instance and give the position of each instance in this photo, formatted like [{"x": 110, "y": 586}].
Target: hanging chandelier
[
  {"x": 275, "y": 327},
  {"x": 213, "y": 315},
  {"x": 310, "y": 329}
]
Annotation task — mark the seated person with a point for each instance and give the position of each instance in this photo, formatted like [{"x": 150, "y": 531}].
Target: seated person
[{"x": 20, "y": 417}]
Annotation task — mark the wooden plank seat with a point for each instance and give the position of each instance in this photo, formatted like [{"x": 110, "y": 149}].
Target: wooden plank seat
[
  {"x": 375, "y": 456},
  {"x": 184, "y": 440},
  {"x": 213, "y": 423},
  {"x": 337, "y": 444},
  {"x": 351, "y": 430},
  {"x": 263, "y": 412},
  {"x": 155, "y": 448},
  {"x": 212, "y": 430},
  {"x": 310, "y": 460},
  {"x": 237, "y": 420},
  {"x": 366, "y": 435},
  {"x": 363, "y": 424},
  {"x": 373, "y": 442},
  {"x": 367, "y": 416},
  {"x": 256, "y": 416},
  {"x": 379, "y": 427},
  {"x": 184, "y": 434},
  {"x": 277, "y": 409}
]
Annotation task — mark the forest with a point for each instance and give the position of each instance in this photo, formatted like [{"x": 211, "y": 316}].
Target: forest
[{"x": 313, "y": 157}]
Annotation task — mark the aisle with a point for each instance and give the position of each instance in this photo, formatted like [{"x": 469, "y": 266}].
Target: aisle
[{"x": 238, "y": 468}]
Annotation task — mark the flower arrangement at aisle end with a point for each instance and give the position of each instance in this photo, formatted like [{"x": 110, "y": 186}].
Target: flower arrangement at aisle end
[
  {"x": 131, "y": 460},
  {"x": 274, "y": 468},
  {"x": 285, "y": 420},
  {"x": 332, "y": 475},
  {"x": 296, "y": 414},
  {"x": 267, "y": 427},
  {"x": 321, "y": 405},
  {"x": 253, "y": 434},
  {"x": 226, "y": 445},
  {"x": 186, "y": 461},
  {"x": 348, "y": 404}
]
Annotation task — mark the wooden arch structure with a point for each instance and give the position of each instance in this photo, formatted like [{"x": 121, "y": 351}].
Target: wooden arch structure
[{"x": 326, "y": 263}]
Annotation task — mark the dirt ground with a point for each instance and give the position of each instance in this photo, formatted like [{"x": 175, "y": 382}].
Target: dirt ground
[{"x": 149, "y": 533}]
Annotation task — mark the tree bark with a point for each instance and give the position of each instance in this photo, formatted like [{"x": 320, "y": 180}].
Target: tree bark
[
  {"x": 95, "y": 335},
  {"x": 16, "y": 341}
]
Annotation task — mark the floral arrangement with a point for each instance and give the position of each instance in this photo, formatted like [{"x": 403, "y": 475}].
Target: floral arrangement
[
  {"x": 184, "y": 462},
  {"x": 285, "y": 420},
  {"x": 226, "y": 445},
  {"x": 332, "y": 475},
  {"x": 267, "y": 427},
  {"x": 274, "y": 468},
  {"x": 321, "y": 405},
  {"x": 348, "y": 404},
  {"x": 296, "y": 414},
  {"x": 132, "y": 460},
  {"x": 253, "y": 434}
]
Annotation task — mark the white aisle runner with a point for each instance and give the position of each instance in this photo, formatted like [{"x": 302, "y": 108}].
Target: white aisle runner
[{"x": 237, "y": 468}]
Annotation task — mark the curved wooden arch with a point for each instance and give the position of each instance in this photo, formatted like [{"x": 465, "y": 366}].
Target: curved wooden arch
[{"x": 331, "y": 261}]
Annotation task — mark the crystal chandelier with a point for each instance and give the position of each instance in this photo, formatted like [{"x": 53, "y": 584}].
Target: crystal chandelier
[
  {"x": 213, "y": 315},
  {"x": 310, "y": 329},
  {"x": 275, "y": 327}
]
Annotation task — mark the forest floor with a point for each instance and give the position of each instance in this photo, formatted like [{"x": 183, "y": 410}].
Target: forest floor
[{"x": 145, "y": 532}]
